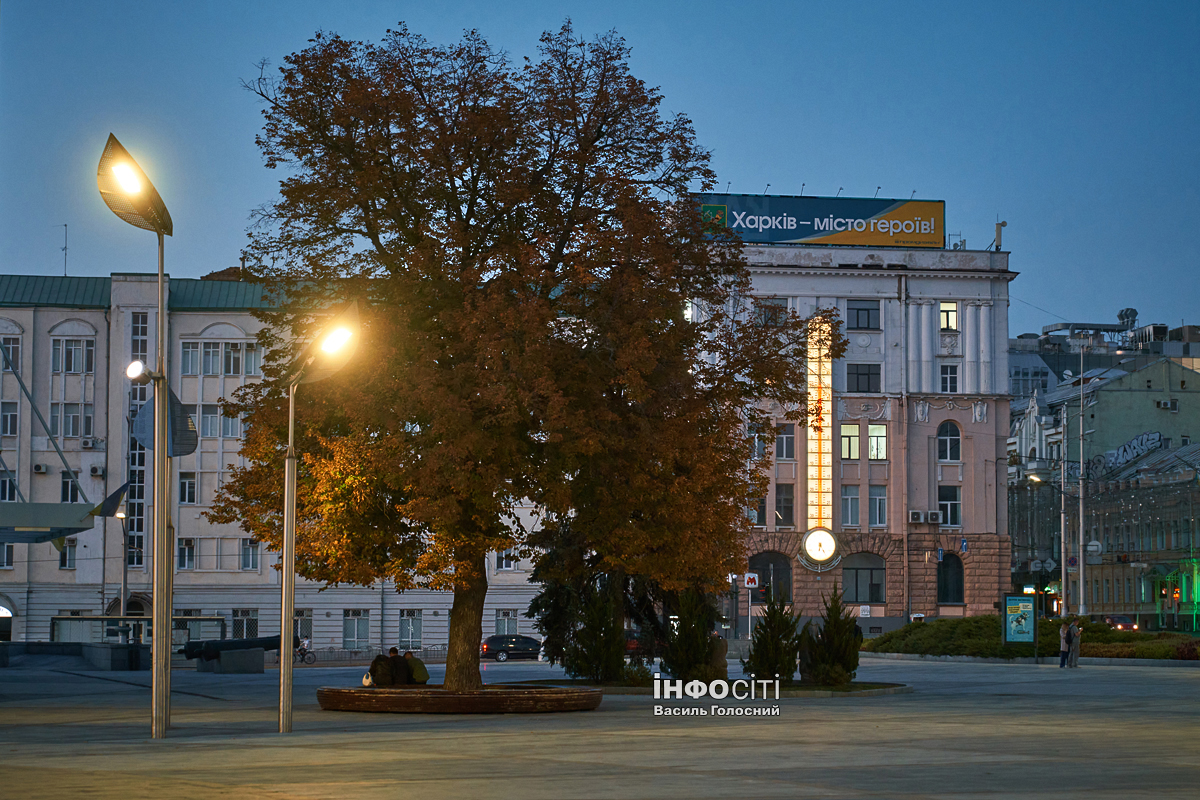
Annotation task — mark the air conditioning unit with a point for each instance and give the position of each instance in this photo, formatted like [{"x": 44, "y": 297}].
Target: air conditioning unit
[
  {"x": 96, "y": 471},
  {"x": 916, "y": 516},
  {"x": 87, "y": 444},
  {"x": 1167, "y": 405},
  {"x": 934, "y": 517},
  {"x": 40, "y": 469}
]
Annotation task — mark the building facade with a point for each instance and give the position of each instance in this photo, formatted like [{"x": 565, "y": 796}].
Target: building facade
[
  {"x": 908, "y": 468},
  {"x": 70, "y": 340}
]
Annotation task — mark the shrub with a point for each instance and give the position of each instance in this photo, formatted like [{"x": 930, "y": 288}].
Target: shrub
[
  {"x": 596, "y": 649},
  {"x": 829, "y": 655},
  {"x": 690, "y": 645},
  {"x": 775, "y": 643},
  {"x": 637, "y": 675}
]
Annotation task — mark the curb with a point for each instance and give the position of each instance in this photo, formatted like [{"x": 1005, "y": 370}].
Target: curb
[{"x": 1044, "y": 661}]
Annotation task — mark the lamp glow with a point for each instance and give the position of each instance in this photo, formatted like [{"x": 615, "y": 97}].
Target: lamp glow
[
  {"x": 120, "y": 511},
  {"x": 336, "y": 340},
  {"x": 135, "y": 370},
  {"x": 127, "y": 178}
]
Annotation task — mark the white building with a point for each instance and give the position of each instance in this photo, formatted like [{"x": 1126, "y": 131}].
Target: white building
[{"x": 71, "y": 339}]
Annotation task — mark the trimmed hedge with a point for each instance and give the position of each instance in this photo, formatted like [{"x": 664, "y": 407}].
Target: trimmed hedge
[{"x": 980, "y": 637}]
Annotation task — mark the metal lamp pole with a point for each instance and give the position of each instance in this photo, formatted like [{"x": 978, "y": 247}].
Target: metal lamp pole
[
  {"x": 130, "y": 195},
  {"x": 1082, "y": 552},
  {"x": 329, "y": 352}
]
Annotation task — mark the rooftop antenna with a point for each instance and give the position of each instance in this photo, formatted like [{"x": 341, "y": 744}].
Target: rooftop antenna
[
  {"x": 727, "y": 186},
  {"x": 914, "y": 194},
  {"x": 839, "y": 194},
  {"x": 768, "y": 187},
  {"x": 64, "y": 249},
  {"x": 877, "y": 188},
  {"x": 802, "y": 190}
]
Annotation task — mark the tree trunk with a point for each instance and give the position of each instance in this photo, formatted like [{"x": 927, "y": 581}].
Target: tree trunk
[{"x": 466, "y": 630}]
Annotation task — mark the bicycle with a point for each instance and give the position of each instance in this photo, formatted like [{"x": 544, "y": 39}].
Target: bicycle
[{"x": 306, "y": 657}]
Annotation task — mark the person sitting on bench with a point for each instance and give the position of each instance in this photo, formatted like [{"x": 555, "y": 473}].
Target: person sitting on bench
[
  {"x": 400, "y": 676},
  {"x": 416, "y": 669}
]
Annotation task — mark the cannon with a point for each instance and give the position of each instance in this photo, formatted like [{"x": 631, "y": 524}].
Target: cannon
[{"x": 210, "y": 649}]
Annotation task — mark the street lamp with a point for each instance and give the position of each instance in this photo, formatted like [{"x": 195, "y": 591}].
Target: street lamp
[
  {"x": 131, "y": 196},
  {"x": 329, "y": 352}
]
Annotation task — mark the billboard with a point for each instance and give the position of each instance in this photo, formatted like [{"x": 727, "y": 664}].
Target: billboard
[
  {"x": 868, "y": 222},
  {"x": 1019, "y": 620}
]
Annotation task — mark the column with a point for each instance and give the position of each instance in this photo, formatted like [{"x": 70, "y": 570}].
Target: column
[
  {"x": 912, "y": 347},
  {"x": 929, "y": 333},
  {"x": 970, "y": 347},
  {"x": 987, "y": 339}
]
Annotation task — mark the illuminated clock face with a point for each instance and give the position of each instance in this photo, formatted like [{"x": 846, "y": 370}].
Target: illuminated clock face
[{"x": 819, "y": 545}]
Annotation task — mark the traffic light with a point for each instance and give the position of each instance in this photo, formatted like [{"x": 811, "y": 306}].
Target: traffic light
[{"x": 1176, "y": 594}]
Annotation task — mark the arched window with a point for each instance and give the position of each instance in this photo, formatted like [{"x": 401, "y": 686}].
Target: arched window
[
  {"x": 863, "y": 578},
  {"x": 774, "y": 576},
  {"x": 950, "y": 579},
  {"x": 949, "y": 442}
]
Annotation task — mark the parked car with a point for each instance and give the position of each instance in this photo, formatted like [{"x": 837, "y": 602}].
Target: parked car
[
  {"x": 634, "y": 645},
  {"x": 504, "y": 647},
  {"x": 1121, "y": 622}
]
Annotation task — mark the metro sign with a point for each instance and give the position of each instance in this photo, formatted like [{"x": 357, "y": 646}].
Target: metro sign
[{"x": 751, "y": 580}]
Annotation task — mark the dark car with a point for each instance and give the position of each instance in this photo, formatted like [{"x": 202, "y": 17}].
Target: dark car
[
  {"x": 636, "y": 646},
  {"x": 504, "y": 647},
  {"x": 1121, "y": 622}
]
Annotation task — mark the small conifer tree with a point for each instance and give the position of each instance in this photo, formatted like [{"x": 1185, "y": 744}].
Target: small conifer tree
[
  {"x": 829, "y": 654},
  {"x": 775, "y": 643}
]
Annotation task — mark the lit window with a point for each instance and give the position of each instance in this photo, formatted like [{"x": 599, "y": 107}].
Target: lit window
[
  {"x": 850, "y": 442},
  {"x": 949, "y": 315},
  {"x": 877, "y": 442}
]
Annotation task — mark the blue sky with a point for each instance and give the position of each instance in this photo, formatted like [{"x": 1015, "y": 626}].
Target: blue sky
[{"x": 1078, "y": 123}]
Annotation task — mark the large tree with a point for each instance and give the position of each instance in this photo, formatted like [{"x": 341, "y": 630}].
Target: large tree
[{"x": 546, "y": 319}]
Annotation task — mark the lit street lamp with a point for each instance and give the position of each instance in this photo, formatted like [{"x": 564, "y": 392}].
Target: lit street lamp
[
  {"x": 328, "y": 353},
  {"x": 129, "y": 194}
]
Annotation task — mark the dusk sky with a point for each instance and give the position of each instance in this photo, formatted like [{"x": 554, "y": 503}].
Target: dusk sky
[{"x": 1078, "y": 123}]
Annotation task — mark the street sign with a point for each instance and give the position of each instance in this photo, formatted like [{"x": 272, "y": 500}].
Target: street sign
[
  {"x": 864, "y": 611},
  {"x": 1094, "y": 548},
  {"x": 1072, "y": 561},
  {"x": 751, "y": 580},
  {"x": 1049, "y": 564},
  {"x": 940, "y": 553},
  {"x": 1035, "y": 566}
]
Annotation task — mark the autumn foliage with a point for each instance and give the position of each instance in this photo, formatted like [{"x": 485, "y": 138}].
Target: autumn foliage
[{"x": 547, "y": 321}]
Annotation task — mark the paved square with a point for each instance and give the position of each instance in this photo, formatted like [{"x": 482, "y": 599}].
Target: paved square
[{"x": 970, "y": 730}]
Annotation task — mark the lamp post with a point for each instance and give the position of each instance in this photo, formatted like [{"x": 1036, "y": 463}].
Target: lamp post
[
  {"x": 124, "y": 556},
  {"x": 329, "y": 352},
  {"x": 129, "y": 194}
]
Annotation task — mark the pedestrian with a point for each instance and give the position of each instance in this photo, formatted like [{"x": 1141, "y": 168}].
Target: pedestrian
[
  {"x": 718, "y": 662},
  {"x": 416, "y": 669},
  {"x": 400, "y": 672},
  {"x": 1064, "y": 644},
  {"x": 1076, "y": 636}
]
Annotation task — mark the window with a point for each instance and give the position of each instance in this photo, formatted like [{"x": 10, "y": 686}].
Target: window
[
  {"x": 877, "y": 442},
  {"x": 66, "y": 556},
  {"x": 73, "y": 355},
  {"x": 245, "y": 623},
  {"x": 1106, "y": 589},
  {"x": 410, "y": 629},
  {"x": 878, "y": 500},
  {"x": 210, "y": 363},
  {"x": 506, "y": 621},
  {"x": 6, "y": 556},
  {"x": 189, "y": 362},
  {"x": 210, "y": 420},
  {"x": 249, "y": 554},
  {"x": 8, "y": 490},
  {"x": 356, "y": 628},
  {"x": 71, "y": 419},
  {"x": 1128, "y": 590},
  {"x": 133, "y": 554},
  {"x": 231, "y": 427},
  {"x": 233, "y": 358},
  {"x": 862, "y": 315},
  {"x": 863, "y": 378},
  {"x": 774, "y": 572},
  {"x": 949, "y": 316},
  {"x": 850, "y": 442},
  {"x": 785, "y": 441},
  {"x": 253, "y": 363},
  {"x": 950, "y": 579},
  {"x": 757, "y": 512},
  {"x": 12, "y": 347},
  {"x": 949, "y": 379},
  {"x": 863, "y": 578},
  {"x": 187, "y": 554},
  {"x": 850, "y": 506},
  {"x": 302, "y": 622},
  {"x": 506, "y": 559},
  {"x": 949, "y": 443},
  {"x": 139, "y": 333},
  {"x": 70, "y": 487},
  {"x": 950, "y": 504},
  {"x": 760, "y": 441},
  {"x": 785, "y": 501},
  {"x": 8, "y": 419},
  {"x": 187, "y": 488},
  {"x": 770, "y": 310}
]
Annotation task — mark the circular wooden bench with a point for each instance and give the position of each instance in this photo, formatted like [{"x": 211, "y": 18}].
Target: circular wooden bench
[{"x": 435, "y": 700}]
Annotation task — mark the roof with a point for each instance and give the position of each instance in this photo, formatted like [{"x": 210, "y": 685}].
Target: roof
[
  {"x": 1158, "y": 462},
  {"x": 56, "y": 291},
  {"x": 191, "y": 294}
]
